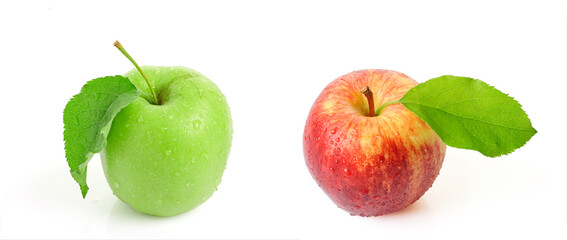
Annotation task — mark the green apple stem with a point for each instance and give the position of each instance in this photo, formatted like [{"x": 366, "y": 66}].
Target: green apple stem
[
  {"x": 385, "y": 105},
  {"x": 153, "y": 92},
  {"x": 370, "y": 97}
]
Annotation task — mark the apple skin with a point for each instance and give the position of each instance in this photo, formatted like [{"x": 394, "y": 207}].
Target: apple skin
[
  {"x": 167, "y": 159},
  {"x": 370, "y": 166}
]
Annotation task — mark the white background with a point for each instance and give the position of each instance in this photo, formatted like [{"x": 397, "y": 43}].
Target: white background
[{"x": 272, "y": 60}]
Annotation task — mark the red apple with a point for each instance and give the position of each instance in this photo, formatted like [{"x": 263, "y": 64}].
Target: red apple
[{"x": 370, "y": 165}]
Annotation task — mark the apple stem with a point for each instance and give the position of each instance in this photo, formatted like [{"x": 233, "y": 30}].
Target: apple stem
[
  {"x": 370, "y": 97},
  {"x": 377, "y": 113},
  {"x": 154, "y": 95}
]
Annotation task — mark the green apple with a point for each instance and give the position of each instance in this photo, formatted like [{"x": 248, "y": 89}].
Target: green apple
[{"x": 168, "y": 157}]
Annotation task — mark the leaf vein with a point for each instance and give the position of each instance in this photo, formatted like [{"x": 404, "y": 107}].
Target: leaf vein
[{"x": 465, "y": 117}]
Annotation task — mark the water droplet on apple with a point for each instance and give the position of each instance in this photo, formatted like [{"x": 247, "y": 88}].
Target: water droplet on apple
[
  {"x": 159, "y": 202},
  {"x": 170, "y": 117},
  {"x": 200, "y": 92},
  {"x": 377, "y": 197},
  {"x": 205, "y": 156},
  {"x": 357, "y": 207},
  {"x": 140, "y": 119},
  {"x": 127, "y": 125},
  {"x": 168, "y": 152},
  {"x": 353, "y": 133},
  {"x": 116, "y": 185},
  {"x": 177, "y": 173},
  {"x": 188, "y": 184},
  {"x": 333, "y": 131},
  {"x": 197, "y": 124},
  {"x": 347, "y": 172}
]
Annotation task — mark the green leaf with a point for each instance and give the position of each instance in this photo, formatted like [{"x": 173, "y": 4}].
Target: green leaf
[
  {"x": 468, "y": 113},
  {"x": 87, "y": 119}
]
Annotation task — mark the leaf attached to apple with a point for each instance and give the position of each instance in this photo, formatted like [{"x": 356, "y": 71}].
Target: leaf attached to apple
[
  {"x": 373, "y": 162},
  {"x": 164, "y": 134}
]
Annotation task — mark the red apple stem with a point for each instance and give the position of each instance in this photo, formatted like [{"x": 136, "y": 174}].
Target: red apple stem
[
  {"x": 370, "y": 97},
  {"x": 152, "y": 91}
]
